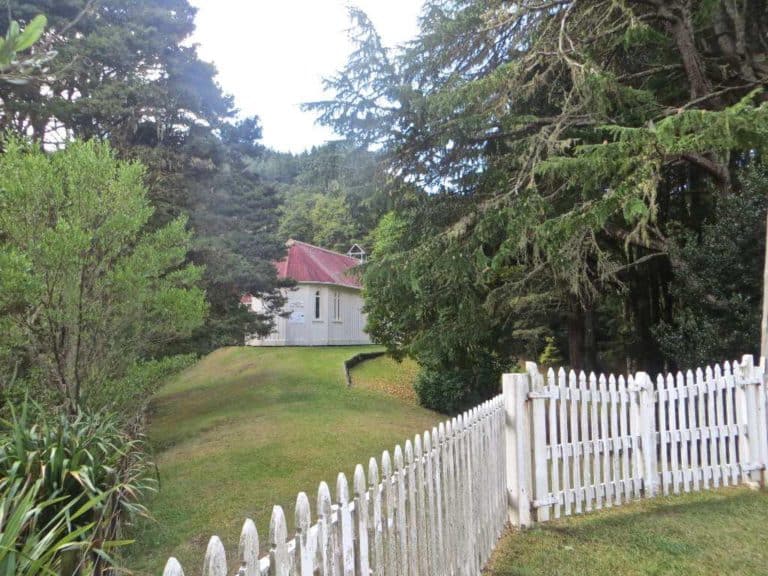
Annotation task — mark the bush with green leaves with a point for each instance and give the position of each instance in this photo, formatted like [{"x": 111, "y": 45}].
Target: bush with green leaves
[
  {"x": 85, "y": 470},
  {"x": 88, "y": 289},
  {"x": 718, "y": 279},
  {"x": 449, "y": 389}
]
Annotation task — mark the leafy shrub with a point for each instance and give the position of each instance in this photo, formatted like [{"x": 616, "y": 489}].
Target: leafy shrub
[
  {"x": 129, "y": 394},
  {"x": 451, "y": 390},
  {"x": 718, "y": 280},
  {"x": 87, "y": 470}
]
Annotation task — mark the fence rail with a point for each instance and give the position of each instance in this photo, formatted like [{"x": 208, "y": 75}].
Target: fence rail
[{"x": 549, "y": 446}]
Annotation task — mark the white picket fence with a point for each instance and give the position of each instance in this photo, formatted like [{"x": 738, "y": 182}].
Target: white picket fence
[
  {"x": 439, "y": 510},
  {"x": 601, "y": 441},
  {"x": 548, "y": 446}
]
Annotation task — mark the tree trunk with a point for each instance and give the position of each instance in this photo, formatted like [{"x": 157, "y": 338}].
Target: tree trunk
[
  {"x": 582, "y": 338},
  {"x": 681, "y": 27}
]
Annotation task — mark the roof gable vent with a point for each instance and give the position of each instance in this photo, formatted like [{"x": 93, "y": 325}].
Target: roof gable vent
[{"x": 357, "y": 252}]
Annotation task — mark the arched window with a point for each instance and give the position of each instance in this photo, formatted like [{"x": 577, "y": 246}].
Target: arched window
[{"x": 317, "y": 305}]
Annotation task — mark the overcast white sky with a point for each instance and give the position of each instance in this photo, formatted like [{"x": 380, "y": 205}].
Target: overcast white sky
[{"x": 272, "y": 54}]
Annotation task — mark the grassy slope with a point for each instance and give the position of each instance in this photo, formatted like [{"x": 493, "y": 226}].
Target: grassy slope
[
  {"x": 247, "y": 428},
  {"x": 383, "y": 374},
  {"x": 708, "y": 533}
]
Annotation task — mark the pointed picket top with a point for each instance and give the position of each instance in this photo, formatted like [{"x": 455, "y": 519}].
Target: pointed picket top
[
  {"x": 248, "y": 549},
  {"x": 418, "y": 451},
  {"x": 718, "y": 371},
  {"x": 172, "y": 568},
  {"x": 622, "y": 381},
  {"x": 324, "y": 502},
  {"x": 612, "y": 382},
  {"x": 660, "y": 381},
  {"x": 408, "y": 452},
  {"x": 670, "y": 382},
  {"x": 551, "y": 377},
  {"x": 359, "y": 486},
  {"x": 680, "y": 380},
  {"x": 435, "y": 437},
  {"x": 699, "y": 376},
  {"x": 581, "y": 377},
  {"x": 373, "y": 474},
  {"x": 302, "y": 515},
  {"x": 302, "y": 551},
  {"x": 441, "y": 432},
  {"x": 689, "y": 376},
  {"x": 324, "y": 533},
  {"x": 215, "y": 562},
  {"x": 747, "y": 362},
  {"x": 708, "y": 373},
  {"x": 342, "y": 489},
  {"x": 278, "y": 547},
  {"x": 727, "y": 367},
  {"x": 386, "y": 467},
  {"x": 427, "y": 442},
  {"x": 448, "y": 430},
  {"x": 278, "y": 530},
  {"x": 398, "y": 458}
]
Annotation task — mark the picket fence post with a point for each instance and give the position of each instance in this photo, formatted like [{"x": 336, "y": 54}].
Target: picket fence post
[
  {"x": 515, "y": 388},
  {"x": 648, "y": 432},
  {"x": 756, "y": 431}
]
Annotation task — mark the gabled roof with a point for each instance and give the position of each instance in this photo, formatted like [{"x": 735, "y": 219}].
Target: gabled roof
[{"x": 307, "y": 263}]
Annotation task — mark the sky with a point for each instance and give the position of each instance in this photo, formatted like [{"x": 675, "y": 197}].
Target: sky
[{"x": 272, "y": 55}]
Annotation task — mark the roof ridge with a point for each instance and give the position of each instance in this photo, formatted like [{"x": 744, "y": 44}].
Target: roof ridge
[{"x": 323, "y": 249}]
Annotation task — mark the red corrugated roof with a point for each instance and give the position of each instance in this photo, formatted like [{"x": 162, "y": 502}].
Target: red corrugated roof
[{"x": 307, "y": 263}]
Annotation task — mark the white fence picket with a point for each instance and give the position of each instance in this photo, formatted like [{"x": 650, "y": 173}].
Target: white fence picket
[
  {"x": 173, "y": 568},
  {"x": 248, "y": 549},
  {"x": 279, "y": 563},
  {"x": 375, "y": 521},
  {"x": 598, "y": 477},
  {"x": 585, "y": 440},
  {"x": 325, "y": 536},
  {"x": 388, "y": 516},
  {"x": 693, "y": 430},
  {"x": 360, "y": 521},
  {"x": 555, "y": 442},
  {"x": 304, "y": 552},
  {"x": 215, "y": 562}
]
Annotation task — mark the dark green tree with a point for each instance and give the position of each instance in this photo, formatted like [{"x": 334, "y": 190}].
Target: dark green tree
[
  {"x": 582, "y": 135},
  {"x": 125, "y": 72}
]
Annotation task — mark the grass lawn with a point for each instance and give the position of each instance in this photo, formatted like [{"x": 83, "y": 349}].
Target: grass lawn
[
  {"x": 383, "y": 374},
  {"x": 246, "y": 428},
  {"x": 708, "y": 533}
]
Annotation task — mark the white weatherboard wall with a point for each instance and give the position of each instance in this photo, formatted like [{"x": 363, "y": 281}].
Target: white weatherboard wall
[
  {"x": 301, "y": 328},
  {"x": 550, "y": 445}
]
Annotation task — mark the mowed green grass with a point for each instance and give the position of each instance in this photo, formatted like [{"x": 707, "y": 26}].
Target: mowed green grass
[
  {"x": 703, "y": 534},
  {"x": 386, "y": 375},
  {"x": 246, "y": 428}
]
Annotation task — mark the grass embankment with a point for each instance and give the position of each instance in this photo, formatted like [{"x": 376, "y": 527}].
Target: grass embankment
[
  {"x": 246, "y": 428},
  {"x": 383, "y": 374},
  {"x": 703, "y": 534}
]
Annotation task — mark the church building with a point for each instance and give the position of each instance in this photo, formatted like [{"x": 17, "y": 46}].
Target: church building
[{"x": 326, "y": 306}]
